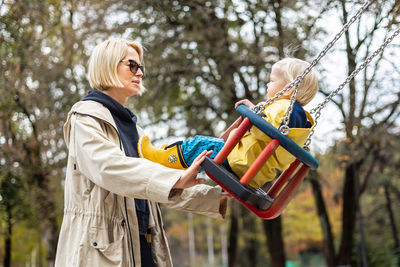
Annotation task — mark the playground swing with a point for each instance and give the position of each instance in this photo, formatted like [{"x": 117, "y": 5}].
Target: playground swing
[{"x": 270, "y": 204}]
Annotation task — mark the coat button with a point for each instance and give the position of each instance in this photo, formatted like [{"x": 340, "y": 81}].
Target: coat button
[{"x": 94, "y": 244}]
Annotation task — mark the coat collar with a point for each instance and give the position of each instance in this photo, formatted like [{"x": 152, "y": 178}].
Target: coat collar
[
  {"x": 94, "y": 109},
  {"x": 90, "y": 108}
]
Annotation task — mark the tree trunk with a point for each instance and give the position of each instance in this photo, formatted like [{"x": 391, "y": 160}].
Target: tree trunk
[
  {"x": 45, "y": 208},
  {"x": 7, "y": 240},
  {"x": 40, "y": 185},
  {"x": 224, "y": 246},
  {"x": 277, "y": 6},
  {"x": 362, "y": 246},
  {"x": 273, "y": 231},
  {"x": 250, "y": 239},
  {"x": 350, "y": 193},
  {"x": 233, "y": 235},
  {"x": 396, "y": 245},
  {"x": 348, "y": 215},
  {"x": 192, "y": 250},
  {"x": 329, "y": 248},
  {"x": 210, "y": 242}
]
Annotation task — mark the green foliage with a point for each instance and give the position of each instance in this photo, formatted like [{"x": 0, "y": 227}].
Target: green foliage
[
  {"x": 203, "y": 56},
  {"x": 42, "y": 75}
]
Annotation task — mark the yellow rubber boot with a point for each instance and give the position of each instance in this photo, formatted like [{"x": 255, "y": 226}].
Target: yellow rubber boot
[{"x": 169, "y": 156}]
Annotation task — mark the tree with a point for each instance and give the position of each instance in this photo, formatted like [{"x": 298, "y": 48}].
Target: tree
[
  {"x": 387, "y": 179},
  {"x": 362, "y": 115},
  {"x": 8, "y": 202},
  {"x": 42, "y": 73},
  {"x": 329, "y": 248},
  {"x": 365, "y": 120}
]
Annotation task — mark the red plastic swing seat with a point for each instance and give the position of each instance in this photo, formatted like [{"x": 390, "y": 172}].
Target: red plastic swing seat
[{"x": 270, "y": 204}]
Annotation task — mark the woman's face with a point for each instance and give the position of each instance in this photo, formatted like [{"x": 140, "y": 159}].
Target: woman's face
[
  {"x": 131, "y": 82},
  {"x": 276, "y": 82}
]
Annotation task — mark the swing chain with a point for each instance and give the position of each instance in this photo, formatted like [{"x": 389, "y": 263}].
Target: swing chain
[
  {"x": 284, "y": 129},
  {"x": 317, "y": 110}
]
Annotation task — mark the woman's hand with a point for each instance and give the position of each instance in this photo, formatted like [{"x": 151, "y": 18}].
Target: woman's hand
[
  {"x": 188, "y": 179},
  {"x": 245, "y": 102},
  {"x": 225, "y": 195},
  {"x": 223, "y": 202}
]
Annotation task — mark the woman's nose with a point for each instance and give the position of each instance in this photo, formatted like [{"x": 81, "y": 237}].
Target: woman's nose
[{"x": 139, "y": 73}]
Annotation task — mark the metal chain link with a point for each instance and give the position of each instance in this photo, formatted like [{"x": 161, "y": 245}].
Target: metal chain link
[
  {"x": 284, "y": 129},
  {"x": 320, "y": 106}
]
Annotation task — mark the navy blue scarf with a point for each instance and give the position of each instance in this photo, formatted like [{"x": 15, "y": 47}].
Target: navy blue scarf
[{"x": 126, "y": 124}]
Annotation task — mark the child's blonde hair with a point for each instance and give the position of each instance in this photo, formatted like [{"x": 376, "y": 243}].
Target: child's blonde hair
[
  {"x": 104, "y": 60},
  {"x": 291, "y": 68}
]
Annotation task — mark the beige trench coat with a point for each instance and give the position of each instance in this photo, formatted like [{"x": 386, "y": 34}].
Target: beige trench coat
[{"x": 99, "y": 227}]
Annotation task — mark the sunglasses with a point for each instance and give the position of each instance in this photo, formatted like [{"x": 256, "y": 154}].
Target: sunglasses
[{"x": 134, "y": 66}]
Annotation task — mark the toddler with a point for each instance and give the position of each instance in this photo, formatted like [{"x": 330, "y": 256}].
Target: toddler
[{"x": 180, "y": 155}]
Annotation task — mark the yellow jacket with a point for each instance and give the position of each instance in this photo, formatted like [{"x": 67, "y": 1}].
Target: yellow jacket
[{"x": 254, "y": 141}]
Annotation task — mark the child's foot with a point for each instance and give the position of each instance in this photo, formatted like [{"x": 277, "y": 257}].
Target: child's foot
[{"x": 169, "y": 156}]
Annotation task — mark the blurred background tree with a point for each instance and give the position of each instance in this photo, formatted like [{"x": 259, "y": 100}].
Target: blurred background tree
[
  {"x": 201, "y": 57},
  {"x": 43, "y": 63}
]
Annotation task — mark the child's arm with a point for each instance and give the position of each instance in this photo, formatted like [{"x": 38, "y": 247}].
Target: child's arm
[{"x": 236, "y": 124}]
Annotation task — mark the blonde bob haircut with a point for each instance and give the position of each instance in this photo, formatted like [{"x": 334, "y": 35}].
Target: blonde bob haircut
[
  {"x": 291, "y": 68},
  {"x": 104, "y": 60}
]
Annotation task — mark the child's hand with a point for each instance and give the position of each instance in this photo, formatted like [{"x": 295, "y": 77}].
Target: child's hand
[
  {"x": 245, "y": 102},
  {"x": 188, "y": 178}
]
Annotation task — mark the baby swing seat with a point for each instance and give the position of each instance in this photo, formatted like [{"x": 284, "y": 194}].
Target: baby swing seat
[{"x": 266, "y": 205}]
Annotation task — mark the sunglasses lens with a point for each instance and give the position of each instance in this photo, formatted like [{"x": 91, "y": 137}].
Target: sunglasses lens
[{"x": 133, "y": 66}]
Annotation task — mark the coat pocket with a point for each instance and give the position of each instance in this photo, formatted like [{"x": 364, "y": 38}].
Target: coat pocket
[{"x": 107, "y": 246}]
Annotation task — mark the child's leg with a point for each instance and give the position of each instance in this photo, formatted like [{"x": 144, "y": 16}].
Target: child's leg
[
  {"x": 192, "y": 147},
  {"x": 179, "y": 155}
]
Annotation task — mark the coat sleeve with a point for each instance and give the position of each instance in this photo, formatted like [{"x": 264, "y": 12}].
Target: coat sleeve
[
  {"x": 201, "y": 199},
  {"x": 105, "y": 164}
]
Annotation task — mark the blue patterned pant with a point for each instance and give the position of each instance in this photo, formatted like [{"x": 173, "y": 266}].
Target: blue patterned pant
[{"x": 192, "y": 147}]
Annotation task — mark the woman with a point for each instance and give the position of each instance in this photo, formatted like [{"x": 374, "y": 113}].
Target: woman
[{"x": 111, "y": 211}]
